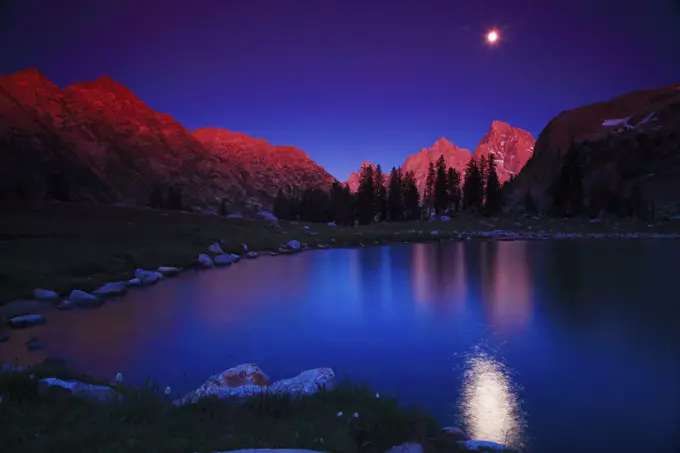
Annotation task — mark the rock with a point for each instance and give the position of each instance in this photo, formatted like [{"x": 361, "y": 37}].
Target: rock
[
  {"x": 84, "y": 299},
  {"x": 240, "y": 381},
  {"x": 273, "y": 254},
  {"x": 305, "y": 383},
  {"x": 268, "y": 216},
  {"x": 111, "y": 289},
  {"x": 168, "y": 271},
  {"x": 306, "y": 227},
  {"x": 293, "y": 244},
  {"x": 3, "y": 337},
  {"x": 216, "y": 248},
  {"x": 148, "y": 277},
  {"x": 252, "y": 255},
  {"x": 234, "y": 216},
  {"x": 205, "y": 261},
  {"x": 134, "y": 282},
  {"x": 45, "y": 294},
  {"x": 332, "y": 224},
  {"x": 596, "y": 220},
  {"x": 88, "y": 392},
  {"x": 408, "y": 447},
  {"x": 481, "y": 445},
  {"x": 245, "y": 247},
  {"x": 454, "y": 433},
  {"x": 34, "y": 344},
  {"x": 27, "y": 320},
  {"x": 444, "y": 218},
  {"x": 434, "y": 233},
  {"x": 225, "y": 260},
  {"x": 65, "y": 305}
]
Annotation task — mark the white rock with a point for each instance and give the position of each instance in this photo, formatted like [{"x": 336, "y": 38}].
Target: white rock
[
  {"x": 252, "y": 255},
  {"x": 306, "y": 383},
  {"x": 215, "y": 248},
  {"x": 45, "y": 294},
  {"x": 111, "y": 289},
  {"x": 596, "y": 220},
  {"x": 134, "y": 282},
  {"x": 225, "y": 260},
  {"x": 84, "y": 299},
  {"x": 306, "y": 227},
  {"x": 27, "y": 320},
  {"x": 434, "y": 233},
  {"x": 168, "y": 270},
  {"x": 90, "y": 392},
  {"x": 481, "y": 445},
  {"x": 245, "y": 247},
  {"x": 444, "y": 218},
  {"x": 266, "y": 215},
  {"x": 205, "y": 261},
  {"x": 147, "y": 277},
  {"x": 293, "y": 244},
  {"x": 332, "y": 224}
]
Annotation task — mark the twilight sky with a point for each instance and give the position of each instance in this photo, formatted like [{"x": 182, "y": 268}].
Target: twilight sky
[{"x": 351, "y": 80}]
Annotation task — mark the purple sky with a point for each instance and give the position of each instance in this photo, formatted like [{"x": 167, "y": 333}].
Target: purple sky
[{"x": 349, "y": 81}]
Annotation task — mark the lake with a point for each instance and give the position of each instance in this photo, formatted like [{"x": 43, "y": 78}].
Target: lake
[{"x": 551, "y": 346}]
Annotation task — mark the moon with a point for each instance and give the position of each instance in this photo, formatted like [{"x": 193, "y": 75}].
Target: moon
[{"x": 492, "y": 37}]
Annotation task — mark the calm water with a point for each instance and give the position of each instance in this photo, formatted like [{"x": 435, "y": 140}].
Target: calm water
[{"x": 552, "y": 346}]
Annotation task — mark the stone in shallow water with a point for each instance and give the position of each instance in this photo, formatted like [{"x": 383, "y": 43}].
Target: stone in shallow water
[
  {"x": 293, "y": 244},
  {"x": 27, "y": 320},
  {"x": 111, "y": 289},
  {"x": 205, "y": 261},
  {"x": 84, "y": 299},
  {"x": 168, "y": 271},
  {"x": 216, "y": 248},
  {"x": 481, "y": 445},
  {"x": 146, "y": 277},
  {"x": 225, "y": 259},
  {"x": 65, "y": 305},
  {"x": 45, "y": 294}
]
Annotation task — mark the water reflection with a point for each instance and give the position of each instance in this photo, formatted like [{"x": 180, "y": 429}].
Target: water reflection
[
  {"x": 439, "y": 276},
  {"x": 489, "y": 404}
]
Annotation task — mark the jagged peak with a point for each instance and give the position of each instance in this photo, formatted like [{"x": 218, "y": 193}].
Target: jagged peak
[
  {"x": 31, "y": 75},
  {"x": 104, "y": 83},
  {"x": 443, "y": 141}
]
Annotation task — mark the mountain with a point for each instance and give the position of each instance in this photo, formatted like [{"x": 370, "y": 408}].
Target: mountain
[
  {"x": 96, "y": 141},
  {"x": 625, "y": 146},
  {"x": 512, "y": 147}
]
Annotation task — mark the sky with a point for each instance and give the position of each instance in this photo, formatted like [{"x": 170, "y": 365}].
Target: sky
[{"x": 349, "y": 81}]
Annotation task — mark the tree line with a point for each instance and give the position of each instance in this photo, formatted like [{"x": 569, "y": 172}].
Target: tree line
[{"x": 395, "y": 196}]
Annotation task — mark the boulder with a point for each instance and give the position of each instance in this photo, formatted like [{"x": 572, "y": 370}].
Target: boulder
[
  {"x": 240, "y": 381},
  {"x": 148, "y": 277},
  {"x": 84, "y": 299},
  {"x": 216, "y": 248},
  {"x": 252, "y": 255},
  {"x": 134, "y": 282},
  {"x": 27, "y": 320},
  {"x": 481, "y": 445},
  {"x": 111, "y": 289},
  {"x": 444, "y": 218},
  {"x": 168, "y": 271},
  {"x": 89, "y": 392},
  {"x": 34, "y": 344},
  {"x": 225, "y": 260},
  {"x": 245, "y": 247},
  {"x": 205, "y": 261},
  {"x": 293, "y": 244},
  {"x": 45, "y": 294},
  {"x": 332, "y": 224},
  {"x": 266, "y": 215},
  {"x": 408, "y": 447},
  {"x": 306, "y": 383},
  {"x": 434, "y": 233}
]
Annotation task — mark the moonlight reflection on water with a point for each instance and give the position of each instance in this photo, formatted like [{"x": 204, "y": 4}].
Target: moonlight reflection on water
[{"x": 490, "y": 406}]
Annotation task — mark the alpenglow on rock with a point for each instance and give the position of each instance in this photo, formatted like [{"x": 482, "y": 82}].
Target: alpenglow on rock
[{"x": 248, "y": 379}]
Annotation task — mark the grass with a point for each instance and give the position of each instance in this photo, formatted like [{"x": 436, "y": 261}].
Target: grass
[
  {"x": 64, "y": 246},
  {"x": 34, "y": 422}
]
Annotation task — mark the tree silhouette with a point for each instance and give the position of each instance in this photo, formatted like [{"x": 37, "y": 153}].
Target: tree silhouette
[
  {"x": 411, "y": 197},
  {"x": 428, "y": 198},
  {"x": 453, "y": 188},
  {"x": 473, "y": 186},
  {"x": 493, "y": 186},
  {"x": 395, "y": 202},
  {"x": 366, "y": 195},
  {"x": 440, "y": 193}
]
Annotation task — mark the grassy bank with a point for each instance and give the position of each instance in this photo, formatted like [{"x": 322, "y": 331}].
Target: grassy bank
[
  {"x": 32, "y": 421},
  {"x": 63, "y": 246}
]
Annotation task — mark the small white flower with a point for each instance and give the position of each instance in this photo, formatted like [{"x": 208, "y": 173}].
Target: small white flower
[
  {"x": 355, "y": 415},
  {"x": 321, "y": 440},
  {"x": 339, "y": 414},
  {"x": 119, "y": 378},
  {"x": 167, "y": 390},
  {"x": 377, "y": 395}
]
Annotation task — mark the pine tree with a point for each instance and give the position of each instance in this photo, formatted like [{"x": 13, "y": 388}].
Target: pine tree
[
  {"x": 156, "y": 201},
  {"x": 411, "y": 197},
  {"x": 281, "y": 209},
  {"x": 175, "y": 198},
  {"x": 483, "y": 169},
  {"x": 366, "y": 195},
  {"x": 380, "y": 200},
  {"x": 453, "y": 188},
  {"x": 395, "y": 207},
  {"x": 440, "y": 193},
  {"x": 428, "y": 198},
  {"x": 493, "y": 187},
  {"x": 473, "y": 186}
]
